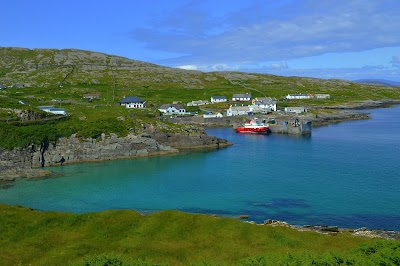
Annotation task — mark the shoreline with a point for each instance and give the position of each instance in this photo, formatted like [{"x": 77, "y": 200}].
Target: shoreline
[{"x": 344, "y": 115}]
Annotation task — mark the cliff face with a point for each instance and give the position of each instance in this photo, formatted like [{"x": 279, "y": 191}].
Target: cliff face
[{"x": 27, "y": 162}]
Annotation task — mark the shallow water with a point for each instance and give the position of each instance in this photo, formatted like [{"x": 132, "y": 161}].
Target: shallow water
[{"x": 345, "y": 174}]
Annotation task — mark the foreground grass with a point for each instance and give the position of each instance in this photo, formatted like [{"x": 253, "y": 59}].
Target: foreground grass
[{"x": 171, "y": 237}]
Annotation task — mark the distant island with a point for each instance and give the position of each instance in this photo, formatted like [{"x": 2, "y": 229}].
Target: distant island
[{"x": 379, "y": 82}]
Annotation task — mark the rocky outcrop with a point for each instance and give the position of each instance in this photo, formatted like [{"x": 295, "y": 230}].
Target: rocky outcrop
[
  {"x": 22, "y": 162},
  {"x": 75, "y": 150},
  {"x": 25, "y": 162},
  {"x": 191, "y": 137}
]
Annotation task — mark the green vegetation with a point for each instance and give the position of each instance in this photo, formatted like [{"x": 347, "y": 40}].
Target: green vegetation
[
  {"x": 61, "y": 77},
  {"x": 174, "y": 238}
]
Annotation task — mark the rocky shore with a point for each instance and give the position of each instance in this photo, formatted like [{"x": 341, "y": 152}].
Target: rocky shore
[
  {"x": 27, "y": 162},
  {"x": 333, "y": 230}
]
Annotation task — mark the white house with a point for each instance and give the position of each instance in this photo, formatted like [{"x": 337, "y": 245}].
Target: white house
[
  {"x": 51, "y": 109},
  {"x": 265, "y": 103},
  {"x": 237, "y": 110},
  {"x": 91, "y": 96},
  {"x": 211, "y": 115},
  {"x": 298, "y": 96},
  {"x": 322, "y": 96},
  {"x": 296, "y": 110},
  {"x": 172, "y": 109},
  {"x": 218, "y": 99},
  {"x": 197, "y": 103},
  {"x": 256, "y": 109},
  {"x": 132, "y": 102},
  {"x": 241, "y": 97}
]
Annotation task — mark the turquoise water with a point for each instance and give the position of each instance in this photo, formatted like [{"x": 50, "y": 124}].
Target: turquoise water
[{"x": 345, "y": 174}]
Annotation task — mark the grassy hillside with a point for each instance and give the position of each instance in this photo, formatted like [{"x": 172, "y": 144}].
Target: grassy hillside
[
  {"x": 174, "y": 238},
  {"x": 61, "y": 77}
]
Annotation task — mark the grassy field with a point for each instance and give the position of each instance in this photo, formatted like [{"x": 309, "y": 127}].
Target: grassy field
[{"x": 30, "y": 237}]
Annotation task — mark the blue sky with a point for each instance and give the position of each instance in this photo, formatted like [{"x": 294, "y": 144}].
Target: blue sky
[{"x": 346, "y": 39}]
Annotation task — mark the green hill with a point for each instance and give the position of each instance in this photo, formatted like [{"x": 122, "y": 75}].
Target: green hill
[
  {"x": 61, "y": 77},
  {"x": 74, "y": 72}
]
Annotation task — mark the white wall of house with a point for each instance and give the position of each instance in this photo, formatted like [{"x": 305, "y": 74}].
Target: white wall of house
[
  {"x": 322, "y": 96},
  {"x": 212, "y": 115},
  {"x": 241, "y": 99},
  {"x": 237, "y": 110},
  {"x": 218, "y": 100},
  {"x": 134, "y": 105},
  {"x": 298, "y": 96},
  {"x": 296, "y": 110}
]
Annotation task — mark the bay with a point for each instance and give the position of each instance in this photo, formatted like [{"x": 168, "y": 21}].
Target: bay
[{"x": 344, "y": 174}]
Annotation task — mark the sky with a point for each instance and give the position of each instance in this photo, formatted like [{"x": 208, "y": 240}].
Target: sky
[{"x": 341, "y": 39}]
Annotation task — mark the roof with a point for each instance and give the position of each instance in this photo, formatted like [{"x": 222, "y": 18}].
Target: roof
[
  {"x": 45, "y": 107},
  {"x": 299, "y": 94},
  {"x": 295, "y": 108},
  {"x": 131, "y": 99},
  {"x": 265, "y": 99},
  {"x": 218, "y": 97},
  {"x": 241, "y": 95},
  {"x": 177, "y": 106},
  {"x": 240, "y": 108}
]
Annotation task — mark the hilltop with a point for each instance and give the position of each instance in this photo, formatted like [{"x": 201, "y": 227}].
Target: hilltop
[{"x": 79, "y": 71}]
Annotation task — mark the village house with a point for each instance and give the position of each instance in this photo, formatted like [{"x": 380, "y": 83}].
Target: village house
[
  {"x": 51, "y": 109},
  {"x": 23, "y": 102},
  {"x": 256, "y": 109},
  {"x": 132, "y": 102},
  {"x": 172, "y": 109},
  {"x": 2, "y": 87},
  {"x": 296, "y": 110},
  {"x": 266, "y": 103},
  {"x": 237, "y": 110},
  {"x": 211, "y": 115},
  {"x": 299, "y": 96},
  {"x": 322, "y": 96},
  {"x": 91, "y": 97},
  {"x": 218, "y": 99},
  {"x": 197, "y": 103},
  {"x": 241, "y": 97}
]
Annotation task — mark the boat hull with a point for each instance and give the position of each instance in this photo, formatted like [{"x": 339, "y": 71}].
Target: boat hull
[{"x": 252, "y": 130}]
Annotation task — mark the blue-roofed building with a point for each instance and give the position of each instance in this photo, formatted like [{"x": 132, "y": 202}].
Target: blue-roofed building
[
  {"x": 51, "y": 109},
  {"x": 132, "y": 102}
]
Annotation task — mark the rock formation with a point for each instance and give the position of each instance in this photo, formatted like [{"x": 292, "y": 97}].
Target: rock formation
[{"x": 25, "y": 162}]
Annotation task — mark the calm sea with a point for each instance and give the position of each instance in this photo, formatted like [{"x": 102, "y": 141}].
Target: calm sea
[{"x": 345, "y": 174}]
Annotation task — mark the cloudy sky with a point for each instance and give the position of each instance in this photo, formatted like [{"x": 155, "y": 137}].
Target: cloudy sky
[{"x": 347, "y": 39}]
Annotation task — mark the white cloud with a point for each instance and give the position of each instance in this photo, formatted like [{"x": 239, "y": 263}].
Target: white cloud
[
  {"x": 279, "y": 65},
  {"x": 188, "y": 67},
  {"x": 277, "y": 31},
  {"x": 395, "y": 61}
]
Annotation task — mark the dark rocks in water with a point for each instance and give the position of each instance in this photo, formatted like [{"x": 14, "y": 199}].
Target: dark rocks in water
[{"x": 323, "y": 228}]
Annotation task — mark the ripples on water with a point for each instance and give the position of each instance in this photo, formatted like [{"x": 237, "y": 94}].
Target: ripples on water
[{"x": 345, "y": 174}]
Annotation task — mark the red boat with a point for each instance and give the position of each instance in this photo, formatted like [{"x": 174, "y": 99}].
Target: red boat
[{"x": 254, "y": 126}]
